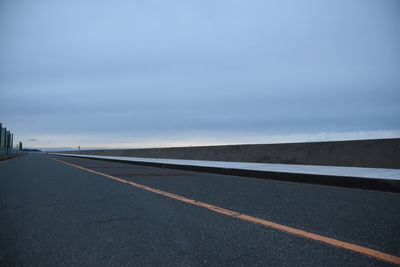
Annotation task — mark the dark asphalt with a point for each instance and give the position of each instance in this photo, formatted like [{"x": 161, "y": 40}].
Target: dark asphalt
[{"x": 52, "y": 214}]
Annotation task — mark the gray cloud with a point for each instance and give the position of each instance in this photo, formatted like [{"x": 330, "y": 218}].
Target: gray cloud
[{"x": 157, "y": 68}]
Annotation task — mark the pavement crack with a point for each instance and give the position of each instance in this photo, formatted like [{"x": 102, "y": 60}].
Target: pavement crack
[
  {"x": 112, "y": 198},
  {"x": 103, "y": 221}
]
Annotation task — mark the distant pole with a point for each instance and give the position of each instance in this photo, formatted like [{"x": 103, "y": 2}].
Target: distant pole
[
  {"x": 7, "y": 141},
  {"x": 79, "y": 149},
  {"x": 1, "y": 138},
  {"x": 1, "y": 135}
]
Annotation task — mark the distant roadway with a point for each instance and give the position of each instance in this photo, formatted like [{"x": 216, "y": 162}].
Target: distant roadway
[{"x": 64, "y": 211}]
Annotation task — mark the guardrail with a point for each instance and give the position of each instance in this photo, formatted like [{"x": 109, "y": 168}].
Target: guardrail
[{"x": 378, "y": 153}]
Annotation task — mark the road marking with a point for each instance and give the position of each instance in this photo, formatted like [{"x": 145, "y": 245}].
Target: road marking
[
  {"x": 113, "y": 167},
  {"x": 153, "y": 174},
  {"x": 349, "y": 246}
]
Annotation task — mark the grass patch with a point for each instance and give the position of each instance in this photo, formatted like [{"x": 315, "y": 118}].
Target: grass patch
[{"x": 11, "y": 156}]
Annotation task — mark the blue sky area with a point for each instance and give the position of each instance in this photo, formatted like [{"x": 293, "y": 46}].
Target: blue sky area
[{"x": 172, "y": 73}]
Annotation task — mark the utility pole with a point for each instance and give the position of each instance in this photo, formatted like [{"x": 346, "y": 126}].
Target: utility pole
[
  {"x": 1, "y": 135},
  {"x": 7, "y": 141},
  {"x": 1, "y": 138},
  {"x": 11, "y": 142}
]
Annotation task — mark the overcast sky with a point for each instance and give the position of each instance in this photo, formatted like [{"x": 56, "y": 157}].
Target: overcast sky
[{"x": 164, "y": 73}]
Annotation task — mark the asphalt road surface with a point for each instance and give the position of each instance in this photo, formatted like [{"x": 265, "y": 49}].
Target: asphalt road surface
[{"x": 57, "y": 214}]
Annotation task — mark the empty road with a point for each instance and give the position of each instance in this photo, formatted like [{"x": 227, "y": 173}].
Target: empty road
[{"x": 64, "y": 211}]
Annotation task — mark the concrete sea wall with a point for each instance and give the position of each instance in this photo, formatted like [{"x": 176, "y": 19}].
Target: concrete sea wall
[{"x": 378, "y": 153}]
